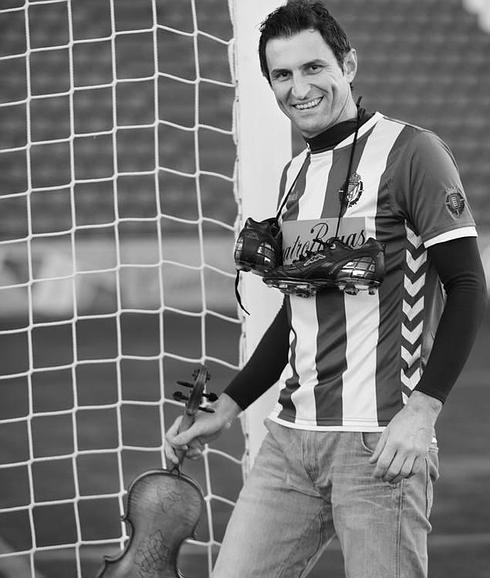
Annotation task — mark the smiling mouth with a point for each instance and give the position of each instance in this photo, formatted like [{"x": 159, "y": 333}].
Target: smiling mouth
[{"x": 308, "y": 105}]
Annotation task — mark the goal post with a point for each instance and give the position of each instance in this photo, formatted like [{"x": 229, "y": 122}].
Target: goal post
[{"x": 263, "y": 148}]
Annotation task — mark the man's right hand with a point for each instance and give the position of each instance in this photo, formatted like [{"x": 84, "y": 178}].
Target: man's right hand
[{"x": 207, "y": 427}]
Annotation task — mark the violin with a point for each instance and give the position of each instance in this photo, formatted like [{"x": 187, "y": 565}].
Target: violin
[{"x": 163, "y": 507}]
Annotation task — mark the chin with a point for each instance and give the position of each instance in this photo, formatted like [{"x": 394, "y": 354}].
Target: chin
[
  {"x": 312, "y": 130},
  {"x": 313, "y": 127}
]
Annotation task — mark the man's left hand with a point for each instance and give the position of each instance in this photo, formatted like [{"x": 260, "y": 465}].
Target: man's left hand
[{"x": 405, "y": 442}]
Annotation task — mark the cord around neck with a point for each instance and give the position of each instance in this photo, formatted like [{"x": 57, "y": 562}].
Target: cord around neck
[{"x": 344, "y": 191}]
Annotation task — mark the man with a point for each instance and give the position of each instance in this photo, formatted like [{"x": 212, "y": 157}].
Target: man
[{"x": 351, "y": 449}]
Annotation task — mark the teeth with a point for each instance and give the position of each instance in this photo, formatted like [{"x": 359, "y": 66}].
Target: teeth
[{"x": 307, "y": 105}]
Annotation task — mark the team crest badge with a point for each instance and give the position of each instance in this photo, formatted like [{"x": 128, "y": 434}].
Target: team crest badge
[
  {"x": 455, "y": 202},
  {"x": 354, "y": 192}
]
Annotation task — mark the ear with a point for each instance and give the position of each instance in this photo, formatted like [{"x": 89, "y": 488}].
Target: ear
[{"x": 350, "y": 65}]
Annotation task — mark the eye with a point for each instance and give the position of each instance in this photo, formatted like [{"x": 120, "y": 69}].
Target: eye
[
  {"x": 314, "y": 67},
  {"x": 280, "y": 75}
]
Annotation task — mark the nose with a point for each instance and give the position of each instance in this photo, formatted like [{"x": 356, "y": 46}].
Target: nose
[{"x": 300, "y": 87}]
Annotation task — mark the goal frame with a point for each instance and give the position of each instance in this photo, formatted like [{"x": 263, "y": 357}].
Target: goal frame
[{"x": 263, "y": 148}]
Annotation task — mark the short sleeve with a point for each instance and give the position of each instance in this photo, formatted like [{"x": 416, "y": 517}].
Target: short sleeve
[{"x": 430, "y": 191}]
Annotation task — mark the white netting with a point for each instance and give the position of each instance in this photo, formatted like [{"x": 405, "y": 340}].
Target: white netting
[{"x": 117, "y": 215}]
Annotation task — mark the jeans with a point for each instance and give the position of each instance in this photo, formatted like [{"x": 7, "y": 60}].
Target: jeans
[{"x": 305, "y": 488}]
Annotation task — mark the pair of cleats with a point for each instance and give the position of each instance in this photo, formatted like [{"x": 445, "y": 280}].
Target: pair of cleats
[{"x": 336, "y": 265}]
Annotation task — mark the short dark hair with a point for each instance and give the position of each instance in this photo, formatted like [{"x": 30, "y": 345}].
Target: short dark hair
[{"x": 296, "y": 16}]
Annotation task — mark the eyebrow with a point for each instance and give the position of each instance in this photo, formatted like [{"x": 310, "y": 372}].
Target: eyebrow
[{"x": 315, "y": 61}]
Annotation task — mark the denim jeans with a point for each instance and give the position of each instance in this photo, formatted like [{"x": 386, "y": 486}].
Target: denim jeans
[{"x": 305, "y": 488}]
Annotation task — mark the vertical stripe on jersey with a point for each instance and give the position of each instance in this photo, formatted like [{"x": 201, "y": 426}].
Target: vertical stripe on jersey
[
  {"x": 297, "y": 172},
  {"x": 303, "y": 312},
  {"x": 288, "y": 374},
  {"x": 305, "y": 322},
  {"x": 413, "y": 312},
  {"x": 362, "y": 310},
  {"x": 282, "y": 184},
  {"x": 331, "y": 360},
  {"x": 362, "y": 337}
]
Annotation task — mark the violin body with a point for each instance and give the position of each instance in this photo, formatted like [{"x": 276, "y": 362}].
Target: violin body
[{"x": 163, "y": 510}]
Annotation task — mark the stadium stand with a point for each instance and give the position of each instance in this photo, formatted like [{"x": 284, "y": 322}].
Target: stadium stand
[{"x": 428, "y": 64}]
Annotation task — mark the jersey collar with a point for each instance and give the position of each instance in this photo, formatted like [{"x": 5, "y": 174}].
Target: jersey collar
[{"x": 342, "y": 133}]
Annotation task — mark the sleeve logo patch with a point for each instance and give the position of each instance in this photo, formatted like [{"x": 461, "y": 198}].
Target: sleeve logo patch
[{"x": 455, "y": 202}]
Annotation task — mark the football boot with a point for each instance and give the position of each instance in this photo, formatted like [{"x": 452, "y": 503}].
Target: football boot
[
  {"x": 258, "y": 246},
  {"x": 335, "y": 265}
]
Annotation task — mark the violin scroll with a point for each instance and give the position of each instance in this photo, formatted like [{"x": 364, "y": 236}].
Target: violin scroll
[{"x": 193, "y": 401}]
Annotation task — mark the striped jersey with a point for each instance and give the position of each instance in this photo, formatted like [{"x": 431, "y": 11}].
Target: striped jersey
[{"x": 354, "y": 359}]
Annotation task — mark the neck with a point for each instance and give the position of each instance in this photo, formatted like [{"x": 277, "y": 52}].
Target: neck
[
  {"x": 338, "y": 132},
  {"x": 348, "y": 111}
]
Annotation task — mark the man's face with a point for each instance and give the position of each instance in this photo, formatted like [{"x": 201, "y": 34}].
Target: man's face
[{"x": 309, "y": 85}]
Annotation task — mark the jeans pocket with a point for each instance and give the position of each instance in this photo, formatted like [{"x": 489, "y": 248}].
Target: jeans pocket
[
  {"x": 432, "y": 474},
  {"x": 369, "y": 441},
  {"x": 429, "y": 490}
]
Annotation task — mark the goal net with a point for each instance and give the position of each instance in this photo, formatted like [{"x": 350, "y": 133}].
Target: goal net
[{"x": 134, "y": 137}]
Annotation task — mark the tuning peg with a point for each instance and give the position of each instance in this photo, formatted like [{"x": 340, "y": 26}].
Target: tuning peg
[
  {"x": 210, "y": 396},
  {"x": 179, "y": 396},
  {"x": 207, "y": 409},
  {"x": 185, "y": 383}
]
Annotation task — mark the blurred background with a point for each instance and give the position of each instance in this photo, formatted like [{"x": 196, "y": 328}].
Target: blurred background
[{"x": 117, "y": 220}]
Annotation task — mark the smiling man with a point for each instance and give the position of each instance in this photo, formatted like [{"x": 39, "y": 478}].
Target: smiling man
[
  {"x": 311, "y": 86},
  {"x": 351, "y": 449}
]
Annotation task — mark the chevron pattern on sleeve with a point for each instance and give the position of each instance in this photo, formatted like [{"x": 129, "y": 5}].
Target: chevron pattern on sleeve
[{"x": 413, "y": 312}]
